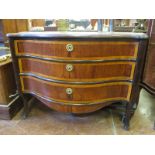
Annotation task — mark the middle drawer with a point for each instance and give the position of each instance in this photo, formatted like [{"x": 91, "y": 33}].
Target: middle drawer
[{"x": 77, "y": 71}]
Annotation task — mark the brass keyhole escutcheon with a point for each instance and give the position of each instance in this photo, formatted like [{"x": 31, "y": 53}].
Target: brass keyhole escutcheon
[
  {"x": 69, "y": 91},
  {"x": 69, "y": 67},
  {"x": 69, "y": 47}
]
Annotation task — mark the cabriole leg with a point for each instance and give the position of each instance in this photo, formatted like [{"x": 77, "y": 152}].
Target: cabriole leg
[
  {"x": 27, "y": 105},
  {"x": 130, "y": 109},
  {"x": 25, "y": 108},
  {"x": 126, "y": 122}
]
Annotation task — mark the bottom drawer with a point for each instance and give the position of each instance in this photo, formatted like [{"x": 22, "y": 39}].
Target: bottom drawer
[
  {"x": 76, "y": 94},
  {"x": 74, "y": 108}
]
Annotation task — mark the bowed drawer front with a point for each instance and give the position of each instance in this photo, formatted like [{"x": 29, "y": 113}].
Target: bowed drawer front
[
  {"x": 77, "y": 71},
  {"x": 77, "y": 49},
  {"x": 81, "y": 94},
  {"x": 85, "y": 72}
]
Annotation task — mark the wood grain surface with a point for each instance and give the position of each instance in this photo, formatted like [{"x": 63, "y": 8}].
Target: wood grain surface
[
  {"x": 82, "y": 50},
  {"x": 81, "y": 93},
  {"x": 80, "y": 72}
]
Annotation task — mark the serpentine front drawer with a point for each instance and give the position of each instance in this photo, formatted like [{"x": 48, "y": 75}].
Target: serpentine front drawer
[
  {"x": 77, "y": 71},
  {"x": 77, "y": 49},
  {"x": 76, "y": 94}
]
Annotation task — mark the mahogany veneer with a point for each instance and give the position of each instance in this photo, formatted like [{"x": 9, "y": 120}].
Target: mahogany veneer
[
  {"x": 81, "y": 93},
  {"x": 79, "y": 72},
  {"x": 85, "y": 49}
]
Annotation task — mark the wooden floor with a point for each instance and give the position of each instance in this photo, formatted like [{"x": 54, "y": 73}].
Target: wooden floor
[{"x": 104, "y": 122}]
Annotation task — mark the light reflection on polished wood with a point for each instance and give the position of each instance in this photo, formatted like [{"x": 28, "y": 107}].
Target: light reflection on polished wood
[
  {"x": 81, "y": 93},
  {"x": 82, "y": 49},
  {"x": 81, "y": 72}
]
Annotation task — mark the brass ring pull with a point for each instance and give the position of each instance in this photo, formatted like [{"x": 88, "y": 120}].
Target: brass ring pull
[
  {"x": 69, "y": 47},
  {"x": 69, "y": 91},
  {"x": 69, "y": 67}
]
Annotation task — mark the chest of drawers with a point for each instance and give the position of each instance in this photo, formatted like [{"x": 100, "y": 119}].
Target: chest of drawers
[{"x": 79, "y": 72}]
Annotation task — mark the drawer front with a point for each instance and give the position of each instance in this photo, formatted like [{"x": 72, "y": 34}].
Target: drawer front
[
  {"x": 78, "y": 72},
  {"x": 45, "y": 69},
  {"x": 77, "y": 49},
  {"x": 74, "y": 108},
  {"x": 77, "y": 93},
  {"x": 103, "y": 71}
]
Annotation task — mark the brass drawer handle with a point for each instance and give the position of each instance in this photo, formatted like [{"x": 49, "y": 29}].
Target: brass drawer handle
[
  {"x": 69, "y": 47},
  {"x": 69, "y": 67},
  {"x": 69, "y": 91}
]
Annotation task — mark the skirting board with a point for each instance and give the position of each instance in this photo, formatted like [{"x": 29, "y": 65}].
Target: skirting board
[{"x": 8, "y": 111}]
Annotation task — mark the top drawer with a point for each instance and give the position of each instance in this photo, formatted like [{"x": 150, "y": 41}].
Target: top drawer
[{"x": 77, "y": 49}]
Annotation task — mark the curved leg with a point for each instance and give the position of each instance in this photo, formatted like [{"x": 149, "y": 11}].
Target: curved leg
[
  {"x": 25, "y": 110},
  {"x": 27, "y": 106},
  {"x": 126, "y": 122},
  {"x": 124, "y": 110},
  {"x": 130, "y": 109}
]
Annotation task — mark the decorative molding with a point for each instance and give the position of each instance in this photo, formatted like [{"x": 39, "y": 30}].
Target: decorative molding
[
  {"x": 114, "y": 59},
  {"x": 73, "y": 82}
]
